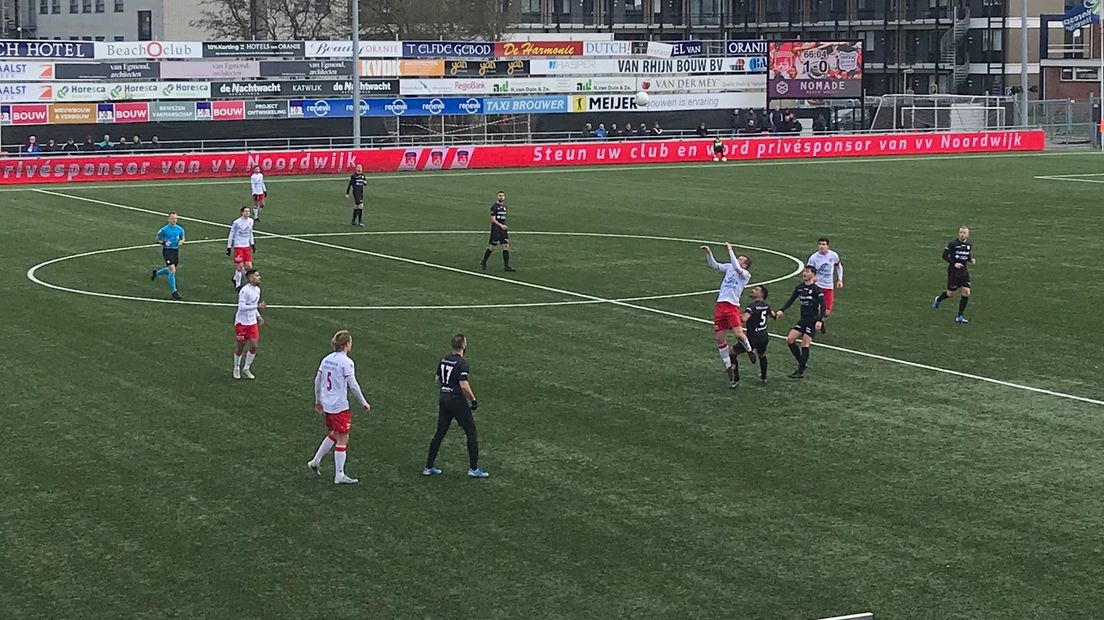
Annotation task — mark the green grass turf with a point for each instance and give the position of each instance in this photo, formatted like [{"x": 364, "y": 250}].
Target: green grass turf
[{"x": 138, "y": 480}]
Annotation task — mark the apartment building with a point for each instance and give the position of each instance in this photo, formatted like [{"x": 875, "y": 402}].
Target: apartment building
[
  {"x": 950, "y": 46},
  {"x": 101, "y": 20}
]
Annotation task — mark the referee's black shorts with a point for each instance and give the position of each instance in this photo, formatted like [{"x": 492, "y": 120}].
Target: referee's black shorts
[
  {"x": 455, "y": 408},
  {"x": 171, "y": 256}
]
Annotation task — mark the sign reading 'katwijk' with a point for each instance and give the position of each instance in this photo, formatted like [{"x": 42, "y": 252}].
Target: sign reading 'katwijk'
[
  {"x": 311, "y": 88},
  {"x": 107, "y": 71},
  {"x": 239, "y": 49},
  {"x": 47, "y": 49},
  {"x": 486, "y": 68}
]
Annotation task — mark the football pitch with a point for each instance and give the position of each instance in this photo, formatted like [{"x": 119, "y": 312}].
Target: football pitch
[{"x": 922, "y": 469}]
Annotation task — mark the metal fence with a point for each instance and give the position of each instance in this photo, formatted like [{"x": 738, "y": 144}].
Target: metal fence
[{"x": 1066, "y": 122}]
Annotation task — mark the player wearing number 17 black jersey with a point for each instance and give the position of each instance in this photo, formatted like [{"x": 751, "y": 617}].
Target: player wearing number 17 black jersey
[
  {"x": 457, "y": 402},
  {"x": 812, "y": 313},
  {"x": 959, "y": 255}
]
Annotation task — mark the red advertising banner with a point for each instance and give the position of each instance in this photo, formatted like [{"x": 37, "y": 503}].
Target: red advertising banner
[
  {"x": 31, "y": 114},
  {"x": 227, "y": 110},
  {"x": 19, "y": 170},
  {"x": 521, "y": 49},
  {"x": 132, "y": 112}
]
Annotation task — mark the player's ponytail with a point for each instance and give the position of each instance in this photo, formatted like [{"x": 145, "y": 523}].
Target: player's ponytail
[{"x": 340, "y": 340}]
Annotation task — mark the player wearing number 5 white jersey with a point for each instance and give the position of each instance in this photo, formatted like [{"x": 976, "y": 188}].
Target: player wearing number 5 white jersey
[
  {"x": 260, "y": 192},
  {"x": 335, "y": 379},
  {"x": 827, "y": 263}
]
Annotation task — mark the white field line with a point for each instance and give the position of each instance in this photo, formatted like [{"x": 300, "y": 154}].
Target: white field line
[
  {"x": 666, "y": 313},
  {"x": 32, "y": 274},
  {"x": 563, "y": 170},
  {"x": 1070, "y": 179}
]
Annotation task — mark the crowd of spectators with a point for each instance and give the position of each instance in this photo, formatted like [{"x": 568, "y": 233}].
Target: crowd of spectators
[
  {"x": 744, "y": 122},
  {"x": 626, "y": 131},
  {"x": 90, "y": 145}
]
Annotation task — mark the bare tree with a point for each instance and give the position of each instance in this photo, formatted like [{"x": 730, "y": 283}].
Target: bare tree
[
  {"x": 274, "y": 19},
  {"x": 380, "y": 19}
]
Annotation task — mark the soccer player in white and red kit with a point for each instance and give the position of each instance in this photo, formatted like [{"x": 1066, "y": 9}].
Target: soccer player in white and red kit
[
  {"x": 826, "y": 262},
  {"x": 727, "y": 316},
  {"x": 240, "y": 245},
  {"x": 335, "y": 379},
  {"x": 260, "y": 192},
  {"x": 247, "y": 324}
]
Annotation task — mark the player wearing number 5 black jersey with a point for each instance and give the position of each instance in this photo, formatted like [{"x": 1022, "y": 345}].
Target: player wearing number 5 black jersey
[
  {"x": 755, "y": 320},
  {"x": 455, "y": 402},
  {"x": 336, "y": 377},
  {"x": 959, "y": 255}
]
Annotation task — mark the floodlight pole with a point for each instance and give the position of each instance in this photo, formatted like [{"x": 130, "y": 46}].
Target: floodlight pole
[
  {"x": 1023, "y": 65},
  {"x": 356, "y": 73}
]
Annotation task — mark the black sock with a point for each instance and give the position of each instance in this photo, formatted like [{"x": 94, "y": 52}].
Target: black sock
[
  {"x": 473, "y": 451},
  {"x": 506, "y": 257},
  {"x": 354, "y": 216},
  {"x": 735, "y": 367},
  {"x": 962, "y": 301},
  {"x": 486, "y": 255},
  {"x": 942, "y": 296},
  {"x": 804, "y": 361},
  {"x": 763, "y": 366},
  {"x": 796, "y": 351}
]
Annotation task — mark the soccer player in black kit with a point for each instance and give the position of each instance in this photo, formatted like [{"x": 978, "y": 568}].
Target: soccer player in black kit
[
  {"x": 755, "y": 321},
  {"x": 500, "y": 234},
  {"x": 357, "y": 181},
  {"x": 959, "y": 255},
  {"x": 457, "y": 402},
  {"x": 812, "y": 315}
]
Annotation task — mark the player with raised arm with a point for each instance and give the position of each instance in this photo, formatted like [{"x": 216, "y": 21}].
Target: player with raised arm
[
  {"x": 336, "y": 377},
  {"x": 170, "y": 237},
  {"x": 726, "y": 314},
  {"x": 357, "y": 181},
  {"x": 500, "y": 234},
  {"x": 755, "y": 317},
  {"x": 246, "y": 324},
  {"x": 812, "y": 313},
  {"x": 240, "y": 246},
  {"x": 260, "y": 192},
  {"x": 827, "y": 264},
  {"x": 959, "y": 255},
  {"x": 456, "y": 401}
]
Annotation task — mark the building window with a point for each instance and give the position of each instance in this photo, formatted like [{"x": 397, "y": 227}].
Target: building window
[
  {"x": 992, "y": 40},
  {"x": 44, "y": 7},
  {"x": 120, "y": 37},
  {"x": 74, "y": 6},
  {"x": 145, "y": 25},
  {"x": 1072, "y": 74},
  {"x": 86, "y": 6},
  {"x": 867, "y": 39},
  {"x": 56, "y": 7},
  {"x": 118, "y": 6},
  {"x": 103, "y": 39},
  {"x": 99, "y": 6}
]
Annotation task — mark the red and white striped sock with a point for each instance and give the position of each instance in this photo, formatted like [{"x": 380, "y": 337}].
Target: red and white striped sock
[
  {"x": 324, "y": 448},
  {"x": 339, "y": 461}
]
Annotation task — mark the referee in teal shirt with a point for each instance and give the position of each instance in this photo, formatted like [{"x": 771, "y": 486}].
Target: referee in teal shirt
[{"x": 170, "y": 237}]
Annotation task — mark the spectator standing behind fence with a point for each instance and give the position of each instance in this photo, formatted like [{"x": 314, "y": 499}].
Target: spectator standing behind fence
[
  {"x": 136, "y": 143},
  {"x": 51, "y": 146},
  {"x": 32, "y": 147},
  {"x": 155, "y": 143},
  {"x": 703, "y": 131},
  {"x": 106, "y": 144},
  {"x": 614, "y": 131},
  {"x": 70, "y": 147},
  {"x": 89, "y": 144},
  {"x": 657, "y": 131},
  {"x": 819, "y": 124},
  {"x": 588, "y": 131},
  {"x": 601, "y": 134}
]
